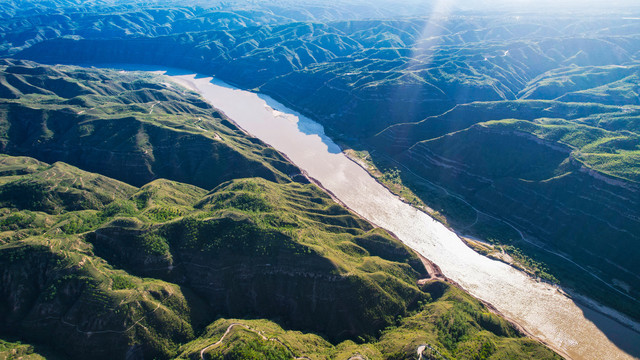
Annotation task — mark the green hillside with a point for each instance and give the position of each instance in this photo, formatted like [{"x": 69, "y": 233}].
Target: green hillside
[
  {"x": 132, "y": 261},
  {"x": 129, "y": 126},
  {"x": 116, "y": 269},
  {"x": 451, "y": 326},
  {"x": 519, "y": 127}
]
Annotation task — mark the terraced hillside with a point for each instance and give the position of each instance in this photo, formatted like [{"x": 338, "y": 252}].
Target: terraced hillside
[{"x": 148, "y": 266}]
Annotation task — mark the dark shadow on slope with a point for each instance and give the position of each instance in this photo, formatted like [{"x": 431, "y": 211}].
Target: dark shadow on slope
[
  {"x": 623, "y": 337},
  {"x": 38, "y": 348},
  {"x": 305, "y": 125}
]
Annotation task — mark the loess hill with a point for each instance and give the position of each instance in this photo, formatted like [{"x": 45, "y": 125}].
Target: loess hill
[
  {"x": 521, "y": 130},
  {"x": 113, "y": 246}
]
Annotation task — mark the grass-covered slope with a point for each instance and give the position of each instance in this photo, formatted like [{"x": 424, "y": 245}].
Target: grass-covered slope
[
  {"x": 143, "y": 270},
  {"x": 131, "y": 127},
  {"x": 451, "y": 326},
  {"x": 287, "y": 251},
  {"x": 54, "y": 284},
  {"x": 244, "y": 250},
  {"x": 392, "y": 70},
  {"x": 18, "y": 350}
]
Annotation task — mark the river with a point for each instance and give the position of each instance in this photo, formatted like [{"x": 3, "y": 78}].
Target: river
[{"x": 572, "y": 329}]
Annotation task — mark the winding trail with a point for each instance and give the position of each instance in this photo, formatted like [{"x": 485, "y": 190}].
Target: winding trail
[
  {"x": 420, "y": 350},
  {"x": 152, "y": 106},
  {"x": 90, "y": 333},
  {"x": 224, "y": 336},
  {"x": 257, "y": 332}
]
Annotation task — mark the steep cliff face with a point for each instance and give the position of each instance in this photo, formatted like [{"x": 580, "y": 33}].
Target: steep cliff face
[
  {"x": 358, "y": 77},
  {"x": 532, "y": 176},
  {"x": 452, "y": 326},
  {"x": 54, "y": 289},
  {"x": 128, "y": 149},
  {"x": 379, "y": 85}
]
